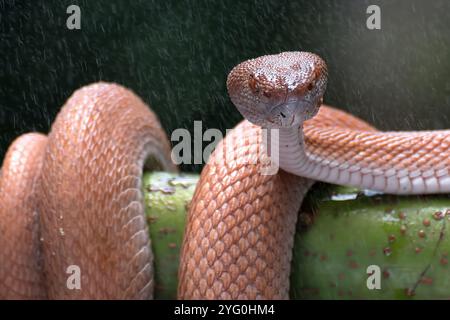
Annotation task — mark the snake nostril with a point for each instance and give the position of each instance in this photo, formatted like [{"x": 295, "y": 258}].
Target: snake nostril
[{"x": 282, "y": 114}]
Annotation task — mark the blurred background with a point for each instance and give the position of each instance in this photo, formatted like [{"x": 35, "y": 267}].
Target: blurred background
[{"x": 176, "y": 55}]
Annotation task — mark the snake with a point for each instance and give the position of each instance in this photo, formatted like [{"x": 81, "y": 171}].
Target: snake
[{"x": 73, "y": 198}]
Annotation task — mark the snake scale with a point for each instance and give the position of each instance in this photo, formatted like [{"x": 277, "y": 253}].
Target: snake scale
[{"x": 74, "y": 197}]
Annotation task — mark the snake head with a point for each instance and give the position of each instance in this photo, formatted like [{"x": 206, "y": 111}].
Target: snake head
[{"x": 280, "y": 90}]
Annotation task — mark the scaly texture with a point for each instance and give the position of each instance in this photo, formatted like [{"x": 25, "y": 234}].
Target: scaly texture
[
  {"x": 239, "y": 235},
  {"x": 282, "y": 91},
  {"x": 241, "y": 223},
  {"x": 393, "y": 162},
  {"x": 91, "y": 205},
  {"x": 88, "y": 198},
  {"x": 20, "y": 256}
]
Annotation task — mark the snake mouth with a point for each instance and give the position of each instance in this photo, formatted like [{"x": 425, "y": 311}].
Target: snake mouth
[{"x": 290, "y": 113}]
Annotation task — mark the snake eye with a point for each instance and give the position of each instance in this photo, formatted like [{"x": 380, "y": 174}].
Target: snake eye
[
  {"x": 253, "y": 84},
  {"x": 310, "y": 86}
]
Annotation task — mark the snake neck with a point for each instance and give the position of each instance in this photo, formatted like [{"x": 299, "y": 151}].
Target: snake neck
[
  {"x": 342, "y": 162},
  {"x": 293, "y": 156}
]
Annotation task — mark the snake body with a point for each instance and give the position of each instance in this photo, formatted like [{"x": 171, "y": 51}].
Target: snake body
[
  {"x": 73, "y": 198},
  {"x": 88, "y": 198},
  {"x": 282, "y": 91}
]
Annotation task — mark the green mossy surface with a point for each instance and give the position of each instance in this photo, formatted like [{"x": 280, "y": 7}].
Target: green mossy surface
[
  {"x": 167, "y": 196},
  {"x": 340, "y": 233},
  {"x": 337, "y": 240}
]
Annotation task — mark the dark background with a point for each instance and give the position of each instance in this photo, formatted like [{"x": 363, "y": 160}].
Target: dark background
[{"x": 176, "y": 55}]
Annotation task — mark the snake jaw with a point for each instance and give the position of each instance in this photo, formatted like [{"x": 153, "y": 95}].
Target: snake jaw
[{"x": 288, "y": 114}]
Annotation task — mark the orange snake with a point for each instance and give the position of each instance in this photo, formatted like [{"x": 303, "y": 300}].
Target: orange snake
[{"x": 73, "y": 198}]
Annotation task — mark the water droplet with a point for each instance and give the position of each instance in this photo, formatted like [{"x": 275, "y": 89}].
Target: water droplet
[
  {"x": 344, "y": 197},
  {"x": 409, "y": 292},
  {"x": 390, "y": 218},
  {"x": 422, "y": 234},
  {"x": 391, "y": 238},
  {"x": 438, "y": 215},
  {"x": 426, "y": 280},
  {"x": 418, "y": 250},
  {"x": 61, "y": 232},
  {"x": 151, "y": 219},
  {"x": 401, "y": 215},
  {"x": 403, "y": 229},
  {"x": 387, "y": 251},
  {"x": 426, "y": 222}
]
